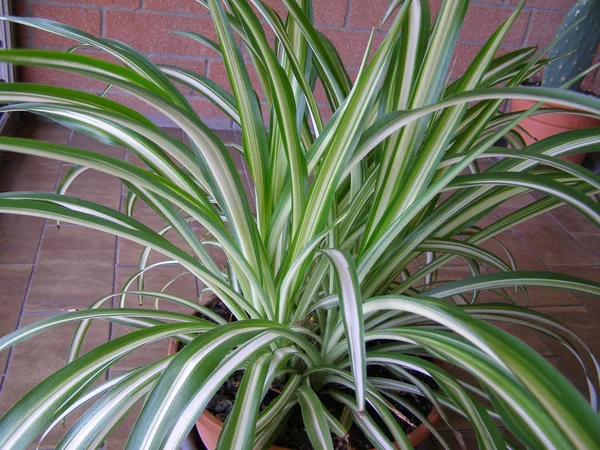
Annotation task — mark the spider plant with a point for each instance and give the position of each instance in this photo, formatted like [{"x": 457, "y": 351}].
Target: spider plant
[{"x": 320, "y": 272}]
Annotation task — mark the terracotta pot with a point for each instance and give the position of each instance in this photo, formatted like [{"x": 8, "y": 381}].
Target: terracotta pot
[
  {"x": 546, "y": 125},
  {"x": 209, "y": 427}
]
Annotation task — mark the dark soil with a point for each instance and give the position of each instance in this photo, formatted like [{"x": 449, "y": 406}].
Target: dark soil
[
  {"x": 219, "y": 307},
  {"x": 295, "y": 437}
]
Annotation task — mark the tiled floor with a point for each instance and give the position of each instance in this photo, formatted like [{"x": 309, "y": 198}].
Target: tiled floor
[{"x": 45, "y": 270}]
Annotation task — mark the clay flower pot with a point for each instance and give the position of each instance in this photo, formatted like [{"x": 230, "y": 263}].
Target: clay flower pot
[
  {"x": 546, "y": 125},
  {"x": 209, "y": 427}
]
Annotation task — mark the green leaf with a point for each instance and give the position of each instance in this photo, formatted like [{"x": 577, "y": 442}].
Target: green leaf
[
  {"x": 238, "y": 430},
  {"x": 315, "y": 418}
]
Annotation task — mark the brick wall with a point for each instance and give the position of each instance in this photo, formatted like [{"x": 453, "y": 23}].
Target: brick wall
[{"x": 144, "y": 24}]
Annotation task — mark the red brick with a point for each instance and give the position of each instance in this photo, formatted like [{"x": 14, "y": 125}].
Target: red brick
[
  {"x": 481, "y": 22},
  {"x": 137, "y": 105},
  {"x": 319, "y": 91},
  {"x": 543, "y": 28},
  {"x": 559, "y": 5},
  {"x": 67, "y": 79},
  {"x": 176, "y": 6},
  {"x": 367, "y": 14},
  {"x": 326, "y": 12},
  {"x": 206, "y": 109},
  {"x": 59, "y": 78},
  {"x": 133, "y": 4},
  {"x": 195, "y": 65},
  {"x": 277, "y": 5},
  {"x": 463, "y": 55},
  {"x": 218, "y": 73},
  {"x": 325, "y": 114},
  {"x": 86, "y": 19},
  {"x": 330, "y": 12},
  {"x": 592, "y": 80},
  {"x": 351, "y": 45},
  {"x": 149, "y": 32},
  {"x": 21, "y": 32}
]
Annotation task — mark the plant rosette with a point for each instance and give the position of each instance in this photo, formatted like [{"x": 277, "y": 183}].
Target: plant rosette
[{"x": 209, "y": 427}]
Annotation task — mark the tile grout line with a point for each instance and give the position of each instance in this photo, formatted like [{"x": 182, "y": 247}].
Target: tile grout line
[
  {"x": 33, "y": 267},
  {"x": 560, "y": 224},
  {"x": 536, "y": 256}
]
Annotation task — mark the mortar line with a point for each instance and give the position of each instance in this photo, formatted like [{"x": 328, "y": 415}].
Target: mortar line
[
  {"x": 527, "y": 29},
  {"x": 347, "y": 15},
  {"x": 102, "y": 21}
]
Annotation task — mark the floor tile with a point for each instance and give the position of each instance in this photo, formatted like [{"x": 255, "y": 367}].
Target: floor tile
[
  {"x": 37, "y": 358},
  {"x": 564, "y": 250},
  {"x": 589, "y": 240},
  {"x": 578, "y": 320},
  {"x": 75, "y": 268},
  {"x": 573, "y": 221},
  {"x": 118, "y": 437},
  {"x": 129, "y": 252},
  {"x": 453, "y": 273},
  {"x": 96, "y": 187},
  {"x": 526, "y": 260},
  {"x": 13, "y": 286},
  {"x": 43, "y": 130},
  {"x": 87, "y": 143},
  {"x": 588, "y": 273},
  {"x": 155, "y": 280},
  {"x": 19, "y": 238},
  {"x": 21, "y": 172}
]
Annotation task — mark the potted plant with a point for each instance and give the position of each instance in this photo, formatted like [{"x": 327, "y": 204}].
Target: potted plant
[
  {"x": 327, "y": 320},
  {"x": 575, "y": 45}
]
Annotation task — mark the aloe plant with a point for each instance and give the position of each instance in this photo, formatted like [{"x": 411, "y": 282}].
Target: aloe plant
[{"x": 318, "y": 273}]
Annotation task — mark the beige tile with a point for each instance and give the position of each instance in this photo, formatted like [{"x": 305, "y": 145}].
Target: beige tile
[
  {"x": 573, "y": 221},
  {"x": 527, "y": 260},
  {"x": 19, "y": 238},
  {"x": 44, "y": 130},
  {"x": 22, "y": 172},
  {"x": 579, "y": 321},
  {"x": 96, "y": 187},
  {"x": 589, "y": 240},
  {"x": 155, "y": 280},
  {"x": 553, "y": 245},
  {"x": 118, "y": 437},
  {"x": 173, "y": 132},
  {"x": 144, "y": 214},
  {"x": 521, "y": 200},
  {"x": 37, "y": 358},
  {"x": 129, "y": 252},
  {"x": 75, "y": 267},
  {"x": 525, "y": 335},
  {"x": 588, "y": 273},
  {"x": 448, "y": 274},
  {"x": 13, "y": 285},
  {"x": 87, "y": 143}
]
